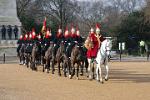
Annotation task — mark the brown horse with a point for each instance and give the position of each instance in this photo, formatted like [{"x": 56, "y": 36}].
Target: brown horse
[
  {"x": 66, "y": 65},
  {"x": 21, "y": 54},
  {"x": 35, "y": 56},
  {"x": 76, "y": 58},
  {"x": 58, "y": 58}
]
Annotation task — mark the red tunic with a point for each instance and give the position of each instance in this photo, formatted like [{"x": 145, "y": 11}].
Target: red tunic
[{"x": 92, "y": 53}]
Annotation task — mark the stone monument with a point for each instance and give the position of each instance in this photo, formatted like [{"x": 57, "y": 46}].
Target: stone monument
[
  {"x": 8, "y": 16},
  {"x": 8, "y": 13}
]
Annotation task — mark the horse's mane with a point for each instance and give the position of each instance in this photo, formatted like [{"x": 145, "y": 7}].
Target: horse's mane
[{"x": 105, "y": 42}]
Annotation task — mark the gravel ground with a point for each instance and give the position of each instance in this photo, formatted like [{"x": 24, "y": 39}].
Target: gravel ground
[{"x": 128, "y": 81}]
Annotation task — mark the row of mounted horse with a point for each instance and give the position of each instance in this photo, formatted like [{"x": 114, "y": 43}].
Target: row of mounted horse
[{"x": 56, "y": 57}]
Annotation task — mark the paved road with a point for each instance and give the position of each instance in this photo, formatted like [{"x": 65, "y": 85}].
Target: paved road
[{"x": 128, "y": 81}]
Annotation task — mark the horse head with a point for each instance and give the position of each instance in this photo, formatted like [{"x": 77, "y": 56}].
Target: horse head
[{"x": 106, "y": 47}]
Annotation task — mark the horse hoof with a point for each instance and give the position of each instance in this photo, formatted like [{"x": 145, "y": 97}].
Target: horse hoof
[
  {"x": 106, "y": 79},
  {"x": 90, "y": 79},
  {"x": 77, "y": 78},
  {"x": 43, "y": 70},
  {"x": 59, "y": 74},
  {"x": 47, "y": 71},
  {"x": 52, "y": 72},
  {"x": 69, "y": 76},
  {"x": 98, "y": 81},
  {"x": 102, "y": 82},
  {"x": 81, "y": 74},
  {"x": 65, "y": 75}
]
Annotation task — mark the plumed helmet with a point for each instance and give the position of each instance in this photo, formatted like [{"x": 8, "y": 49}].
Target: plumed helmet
[
  {"x": 92, "y": 30},
  {"x": 98, "y": 26}
]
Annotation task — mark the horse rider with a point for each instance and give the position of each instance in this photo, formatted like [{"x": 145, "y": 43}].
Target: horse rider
[
  {"x": 67, "y": 40},
  {"x": 93, "y": 46},
  {"x": 99, "y": 35},
  {"x": 78, "y": 37},
  {"x": 48, "y": 37},
  {"x": 19, "y": 42},
  {"x": 72, "y": 41},
  {"x": 57, "y": 40}
]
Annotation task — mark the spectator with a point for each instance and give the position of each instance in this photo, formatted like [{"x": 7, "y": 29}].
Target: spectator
[
  {"x": 9, "y": 30},
  {"x": 16, "y": 32},
  {"x": 3, "y": 30}
]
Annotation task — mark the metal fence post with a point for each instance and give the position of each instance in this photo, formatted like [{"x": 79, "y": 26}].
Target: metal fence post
[
  {"x": 120, "y": 54},
  {"x": 4, "y": 58}
]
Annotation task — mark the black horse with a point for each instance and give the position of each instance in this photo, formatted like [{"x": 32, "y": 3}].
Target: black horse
[
  {"x": 58, "y": 58},
  {"x": 78, "y": 57}
]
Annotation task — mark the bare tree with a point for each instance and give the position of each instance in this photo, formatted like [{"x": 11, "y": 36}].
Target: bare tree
[
  {"x": 147, "y": 10},
  {"x": 62, "y": 11},
  {"x": 22, "y": 5}
]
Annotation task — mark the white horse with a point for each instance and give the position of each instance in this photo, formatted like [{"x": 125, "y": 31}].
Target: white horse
[{"x": 102, "y": 58}]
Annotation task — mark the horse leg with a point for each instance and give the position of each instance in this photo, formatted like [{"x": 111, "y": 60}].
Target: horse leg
[
  {"x": 107, "y": 69},
  {"x": 44, "y": 63},
  {"x": 73, "y": 71},
  {"x": 20, "y": 60},
  {"x": 89, "y": 69},
  {"x": 86, "y": 65},
  {"x": 48, "y": 66},
  {"x": 24, "y": 60},
  {"x": 65, "y": 68},
  {"x": 77, "y": 72},
  {"x": 81, "y": 64},
  {"x": 100, "y": 74},
  {"x": 59, "y": 73},
  {"x": 93, "y": 71},
  {"x": 97, "y": 71},
  {"x": 69, "y": 69},
  {"x": 27, "y": 61},
  {"x": 53, "y": 66},
  {"x": 33, "y": 64},
  {"x": 107, "y": 72}
]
